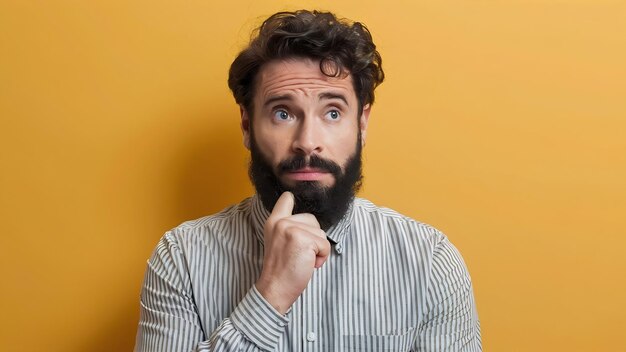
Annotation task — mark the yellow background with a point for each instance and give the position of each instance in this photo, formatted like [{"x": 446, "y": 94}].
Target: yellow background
[{"x": 500, "y": 122}]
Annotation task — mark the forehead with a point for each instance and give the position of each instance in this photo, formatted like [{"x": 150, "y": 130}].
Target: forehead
[{"x": 299, "y": 76}]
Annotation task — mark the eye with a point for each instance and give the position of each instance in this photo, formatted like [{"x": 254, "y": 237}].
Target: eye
[
  {"x": 333, "y": 115},
  {"x": 281, "y": 115}
]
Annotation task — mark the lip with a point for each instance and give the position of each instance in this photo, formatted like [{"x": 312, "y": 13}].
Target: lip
[{"x": 307, "y": 174}]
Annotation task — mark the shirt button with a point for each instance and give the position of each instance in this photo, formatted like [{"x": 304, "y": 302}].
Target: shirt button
[
  {"x": 339, "y": 249},
  {"x": 310, "y": 337}
]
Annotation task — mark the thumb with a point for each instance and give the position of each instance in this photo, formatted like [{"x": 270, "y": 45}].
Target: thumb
[{"x": 284, "y": 206}]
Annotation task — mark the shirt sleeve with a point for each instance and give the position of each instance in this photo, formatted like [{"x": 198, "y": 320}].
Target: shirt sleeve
[
  {"x": 169, "y": 320},
  {"x": 451, "y": 320}
]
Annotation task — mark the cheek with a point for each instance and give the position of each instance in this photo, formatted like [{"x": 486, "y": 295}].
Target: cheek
[
  {"x": 344, "y": 142},
  {"x": 348, "y": 150},
  {"x": 272, "y": 143}
]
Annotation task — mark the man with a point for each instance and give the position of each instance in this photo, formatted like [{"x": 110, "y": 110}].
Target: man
[{"x": 304, "y": 265}]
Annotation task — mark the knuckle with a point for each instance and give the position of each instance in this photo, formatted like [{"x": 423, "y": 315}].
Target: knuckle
[
  {"x": 281, "y": 225},
  {"x": 311, "y": 218},
  {"x": 269, "y": 223}
]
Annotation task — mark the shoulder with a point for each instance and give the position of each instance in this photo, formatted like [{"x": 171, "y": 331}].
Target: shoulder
[
  {"x": 395, "y": 223},
  {"x": 210, "y": 226},
  {"x": 427, "y": 242},
  {"x": 228, "y": 214}
]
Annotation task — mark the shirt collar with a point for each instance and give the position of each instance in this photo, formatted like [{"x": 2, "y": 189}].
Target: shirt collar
[{"x": 336, "y": 234}]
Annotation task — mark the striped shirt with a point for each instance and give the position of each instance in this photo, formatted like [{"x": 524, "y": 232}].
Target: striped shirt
[{"x": 390, "y": 283}]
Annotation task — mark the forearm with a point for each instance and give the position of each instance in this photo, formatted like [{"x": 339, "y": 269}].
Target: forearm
[
  {"x": 253, "y": 326},
  {"x": 170, "y": 323}
]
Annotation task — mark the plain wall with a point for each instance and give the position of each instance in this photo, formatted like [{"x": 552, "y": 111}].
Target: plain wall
[{"x": 501, "y": 122}]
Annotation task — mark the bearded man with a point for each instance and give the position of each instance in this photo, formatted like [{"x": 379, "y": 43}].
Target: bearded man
[{"x": 304, "y": 265}]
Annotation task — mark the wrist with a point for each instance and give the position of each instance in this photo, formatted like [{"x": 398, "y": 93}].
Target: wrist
[
  {"x": 273, "y": 296},
  {"x": 258, "y": 321}
]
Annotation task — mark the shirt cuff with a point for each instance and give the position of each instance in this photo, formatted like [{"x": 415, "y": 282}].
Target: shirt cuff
[{"x": 258, "y": 321}]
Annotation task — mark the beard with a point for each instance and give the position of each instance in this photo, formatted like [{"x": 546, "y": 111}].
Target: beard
[{"x": 327, "y": 203}]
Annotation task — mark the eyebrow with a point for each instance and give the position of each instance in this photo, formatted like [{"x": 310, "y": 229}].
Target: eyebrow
[
  {"x": 276, "y": 98},
  {"x": 329, "y": 95},
  {"x": 321, "y": 96}
]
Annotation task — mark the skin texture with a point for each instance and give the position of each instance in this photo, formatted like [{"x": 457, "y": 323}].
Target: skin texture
[{"x": 299, "y": 111}]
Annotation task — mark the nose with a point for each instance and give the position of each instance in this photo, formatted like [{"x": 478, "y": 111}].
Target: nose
[{"x": 308, "y": 137}]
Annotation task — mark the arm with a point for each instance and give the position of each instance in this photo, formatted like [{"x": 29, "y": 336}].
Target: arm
[
  {"x": 451, "y": 321},
  {"x": 294, "y": 247},
  {"x": 169, "y": 319}
]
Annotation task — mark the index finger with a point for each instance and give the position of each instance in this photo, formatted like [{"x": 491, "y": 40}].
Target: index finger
[
  {"x": 284, "y": 206},
  {"x": 306, "y": 218}
]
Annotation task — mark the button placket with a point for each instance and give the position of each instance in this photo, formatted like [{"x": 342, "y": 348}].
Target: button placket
[{"x": 310, "y": 311}]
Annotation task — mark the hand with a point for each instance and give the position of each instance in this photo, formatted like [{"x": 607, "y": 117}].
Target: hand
[{"x": 295, "y": 246}]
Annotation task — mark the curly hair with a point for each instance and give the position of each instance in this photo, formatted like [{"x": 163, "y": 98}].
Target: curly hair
[{"x": 342, "y": 48}]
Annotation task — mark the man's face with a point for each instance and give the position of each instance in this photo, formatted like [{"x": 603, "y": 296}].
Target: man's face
[{"x": 305, "y": 130}]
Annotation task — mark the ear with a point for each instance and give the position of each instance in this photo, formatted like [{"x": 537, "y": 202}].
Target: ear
[
  {"x": 363, "y": 120},
  {"x": 245, "y": 126}
]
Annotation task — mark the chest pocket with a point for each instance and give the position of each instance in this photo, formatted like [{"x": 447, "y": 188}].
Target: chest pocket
[{"x": 400, "y": 342}]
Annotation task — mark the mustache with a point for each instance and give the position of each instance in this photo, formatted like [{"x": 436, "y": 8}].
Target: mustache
[{"x": 314, "y": 161}]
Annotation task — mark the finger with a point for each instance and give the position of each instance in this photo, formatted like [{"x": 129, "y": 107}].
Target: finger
[
  {"x": 319, "y": 261},
  {"x": 284, "y": 206},
  {"x": 299, "y": 228},
  {"x": 322, "y": 253},
  {"x": 315, "y": 231},
  {"x": 306, "y": 218}
]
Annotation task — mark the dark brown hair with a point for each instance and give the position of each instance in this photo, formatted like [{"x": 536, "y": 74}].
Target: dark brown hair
[{"x": 341, "y": 46}]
